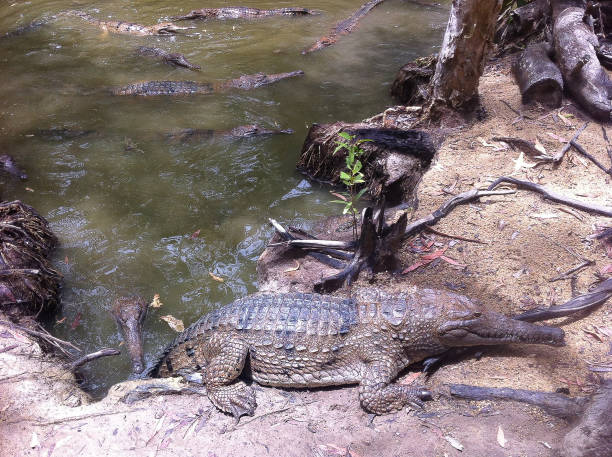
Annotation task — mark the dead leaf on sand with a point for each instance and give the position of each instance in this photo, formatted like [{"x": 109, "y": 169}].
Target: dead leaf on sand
[
  {"x": 501, "y": 439},
  {"x": 296, "y": 268}
]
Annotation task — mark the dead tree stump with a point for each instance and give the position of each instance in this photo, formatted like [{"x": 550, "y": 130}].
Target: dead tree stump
[{"x": 393, "y": 163}]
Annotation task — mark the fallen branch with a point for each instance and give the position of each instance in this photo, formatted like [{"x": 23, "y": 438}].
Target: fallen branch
[
  {"x": 43, "y": 335},
  {"x": 571, "y": 271},
  {"x": 559, "y": 155},
  {"x": 590, "y": 207},
  {"x": 558, "y": 405},
  {"x": 93, "y": 356},
  {"x": 448, "y": 206},
  {"x": 527, "y": 147},
  {"x": 577, "y": 304},
  {"x": 456, "y": 237},
  {"x": 583, "y": 151},
  {"x": 323, "y": 257}
]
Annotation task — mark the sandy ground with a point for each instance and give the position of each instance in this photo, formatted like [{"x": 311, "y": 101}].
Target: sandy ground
[{"x": 527, "y": 241}]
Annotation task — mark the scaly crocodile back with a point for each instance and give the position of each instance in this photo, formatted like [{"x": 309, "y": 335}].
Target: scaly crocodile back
[{"x": 271, "y": 319}]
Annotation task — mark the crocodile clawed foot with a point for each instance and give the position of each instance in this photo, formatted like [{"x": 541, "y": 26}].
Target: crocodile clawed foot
[
  {"x": 417, "y": 396},
  {"x": 243, "y": 405}
]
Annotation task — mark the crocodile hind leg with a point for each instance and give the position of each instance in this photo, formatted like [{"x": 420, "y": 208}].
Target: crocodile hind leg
[
  {"x": 225, "y": 357},
  {"x": 378, "y": 396}
]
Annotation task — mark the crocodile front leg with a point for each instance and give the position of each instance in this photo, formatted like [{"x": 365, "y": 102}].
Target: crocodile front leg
[
  {"x": 379, "y": 396},
  {"x": 225, "y": 356}
]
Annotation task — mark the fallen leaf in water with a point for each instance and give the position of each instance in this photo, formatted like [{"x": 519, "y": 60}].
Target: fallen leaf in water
[
  {"x": 296, "y": 268},
  {"x": 174, "y": 323},
  {"x": 195, "y": 234},
  {"x": 121, "y": 344},
  {"x": 76, "y": 321},
  {"x": 66, "y": 260},
  {"x": 215, "y": 277},
  {"x": 454, "y": 443},
  {"x": 61, "y": 321},
  {"x": 156, "y": 303},
  {"x": 545, "y": 444},
  {"x": 501, "y": 439},
  {"x": 29, "y": 189}
]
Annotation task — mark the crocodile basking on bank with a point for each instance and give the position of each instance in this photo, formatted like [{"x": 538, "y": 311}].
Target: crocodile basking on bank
[
  {"x": 130, "y": 28},
  {"x": 310, "y": 340},
  {"x": 241, "y": 12},
  {"x": 246, "y": 82}
]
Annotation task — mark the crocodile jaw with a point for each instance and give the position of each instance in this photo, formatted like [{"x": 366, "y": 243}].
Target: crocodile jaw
[{"x": 492, "y": 328}]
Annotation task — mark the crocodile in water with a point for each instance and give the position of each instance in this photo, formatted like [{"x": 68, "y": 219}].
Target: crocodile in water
[
  {"x": 241, "y": 12},
  {"x": 242, "y": 131},
  {"x": 246, "y": 82},
  {"x": 309, "y": 340},
  {"x": 130, "y": 28},
  {"x": 172, "y": 58}
]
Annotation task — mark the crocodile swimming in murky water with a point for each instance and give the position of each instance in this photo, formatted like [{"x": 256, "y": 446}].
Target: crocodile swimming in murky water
[
  {"x": 130, "y": 28},
  {"x": 246, "y": 82},
  {"x": 242, "y": 131},
  {"x": 311, "y": 340},
  {"x": 172, "y": 58},
  {"x": 241, "y": 12}
]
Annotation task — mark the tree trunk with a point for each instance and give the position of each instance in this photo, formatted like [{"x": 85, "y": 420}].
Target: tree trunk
[{"x": 468, "y": 34}]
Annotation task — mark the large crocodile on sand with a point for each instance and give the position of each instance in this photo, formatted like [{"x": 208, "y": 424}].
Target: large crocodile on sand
[
  {"x": 130, "y": 28},
  {"x": 241, "y": 12},
  {"x": 310, "y": 340},
  {"x": 245, "y": 82}
]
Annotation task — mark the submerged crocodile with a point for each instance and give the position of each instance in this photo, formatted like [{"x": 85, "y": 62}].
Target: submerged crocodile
[
  {"x": 242, "y": 131},
  {"x": 310, "y": 340},
  {"x": 129, "y": 313},
  {"x": 130, "y": 28},
  {"x": 246, "y": 82},
  {"x": 343, "y": 27},
  {"x": 172, "y": 58},
  {"x": 241, "y": 12},
  {"x": 7, "y": 163}
]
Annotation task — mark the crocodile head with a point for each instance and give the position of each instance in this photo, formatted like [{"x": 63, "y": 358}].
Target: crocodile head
[
  {"x": 130, "y": 312},
  {"x": 475, "y": 327},
  {"x": 168, "y": 28}
]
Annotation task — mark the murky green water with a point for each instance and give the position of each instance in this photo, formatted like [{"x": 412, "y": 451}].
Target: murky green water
[{"x": 124, "y": 200}]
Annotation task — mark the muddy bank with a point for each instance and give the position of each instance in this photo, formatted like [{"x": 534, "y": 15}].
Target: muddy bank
[{"x": 523, "y": 241}]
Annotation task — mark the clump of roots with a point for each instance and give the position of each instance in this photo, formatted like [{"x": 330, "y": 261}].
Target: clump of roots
[{"x": 28, "y": 283}]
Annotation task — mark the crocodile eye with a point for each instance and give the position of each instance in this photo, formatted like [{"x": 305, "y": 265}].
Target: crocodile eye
[{"x": 477, "y": 314}]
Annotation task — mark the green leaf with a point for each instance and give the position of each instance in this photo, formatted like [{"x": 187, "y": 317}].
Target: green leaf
[
  {"x": 364, "y": 141},
  {"x": 358, "y": 181},
  {"x": 344, "y": 176},
  {"x": 357, "y": 167},
  {"x": 346, "y": 209},
  {"x": 342, "y": 202},
  {"x": 345, "y": 135}
]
